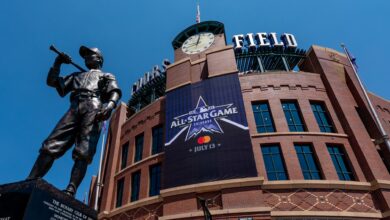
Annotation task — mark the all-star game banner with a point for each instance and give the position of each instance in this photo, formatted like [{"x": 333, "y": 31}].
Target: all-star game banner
[{"x": 207, "y": 136}]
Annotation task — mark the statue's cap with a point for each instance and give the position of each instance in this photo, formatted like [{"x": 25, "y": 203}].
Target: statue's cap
[{"x": 85, "y": 51}]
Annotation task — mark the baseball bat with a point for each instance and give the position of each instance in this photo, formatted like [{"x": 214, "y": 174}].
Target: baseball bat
[{"x": 53, "y": 48}]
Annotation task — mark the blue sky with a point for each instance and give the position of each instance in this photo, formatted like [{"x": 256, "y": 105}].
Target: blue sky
[{"x": 134, "y": 36}]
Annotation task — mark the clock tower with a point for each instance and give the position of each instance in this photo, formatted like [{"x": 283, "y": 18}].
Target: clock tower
[
  {"x": 200, "y": 52},
  {"x": 204, "y": 111}
]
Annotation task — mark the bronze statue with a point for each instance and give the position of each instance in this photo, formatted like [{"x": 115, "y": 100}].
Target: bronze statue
[{"x": 94, "y": 94}]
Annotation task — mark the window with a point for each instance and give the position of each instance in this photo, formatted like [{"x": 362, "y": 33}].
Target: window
[
  {"x": 341, "y": 163},
  {"x": 308, "y": 162},
  {"x": 274, "y": 162},
  {"x": 119, "y": 192},
  {"x": 293, "y": 116},
  {"x": 139, "y": 143},
  {"x": 125, "y": 150},
  {"x": 155, "y": 179},
  {"x": 263, "y": 118},
  {"x": 135, "y": 181},
  {"x": 157, "y": 139},
  {"x": 322, "y": 117}
]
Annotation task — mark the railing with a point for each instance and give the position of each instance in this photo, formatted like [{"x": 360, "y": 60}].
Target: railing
[
  {"x": 260, "y": 60},
  {"x": 269, "y": 59},
  {"x": 148, "y": 93}
]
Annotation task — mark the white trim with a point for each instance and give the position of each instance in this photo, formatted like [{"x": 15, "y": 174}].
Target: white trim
[
  {"x": 176, "y": 136},
  {"x": 234, "y": 123}
]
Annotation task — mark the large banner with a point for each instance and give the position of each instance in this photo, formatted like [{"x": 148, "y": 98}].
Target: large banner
[{"x": 207, "y": 136}]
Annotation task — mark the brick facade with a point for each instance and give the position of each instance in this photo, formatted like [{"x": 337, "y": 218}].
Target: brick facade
[{"x": 326, "y": 77}]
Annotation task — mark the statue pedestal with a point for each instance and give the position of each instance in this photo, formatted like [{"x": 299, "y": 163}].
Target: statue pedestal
[{"x": 37, "y": 199}]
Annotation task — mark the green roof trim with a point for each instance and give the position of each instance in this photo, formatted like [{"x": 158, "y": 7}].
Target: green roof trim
[{"x": 214, "y": 27}]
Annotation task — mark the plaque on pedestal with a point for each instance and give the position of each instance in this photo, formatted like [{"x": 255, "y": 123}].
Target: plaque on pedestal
[{"x": 37, "y": 199}]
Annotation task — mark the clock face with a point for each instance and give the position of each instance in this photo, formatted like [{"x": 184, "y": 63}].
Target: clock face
[{"x": 198, "y": 43}]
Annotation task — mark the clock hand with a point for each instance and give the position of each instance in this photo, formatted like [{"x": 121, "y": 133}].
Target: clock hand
[
  {"x": 193, "y": 45},
  {"x": 197, "y": 42}
]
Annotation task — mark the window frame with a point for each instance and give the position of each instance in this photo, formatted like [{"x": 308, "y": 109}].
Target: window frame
[
  {"x": 314, "y": 158},
  {"x": 119, "y": 192},
  {"x": 273, "y": 169},
  {"x": 290, "y": 112},
  {"x": 138, "y": 149},
  {"x": 346, "y": 162},
  {"x": 155, "y": 149},
  {"x": 154, "y": 190},
  {"x": 326, "y": 115},
  {"x": 124, "y": 155},
  {"x": 134, "y": 194},
  {"x": 264, "y": 125}
]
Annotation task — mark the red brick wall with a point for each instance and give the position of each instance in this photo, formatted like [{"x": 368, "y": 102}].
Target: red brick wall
[{"x": 326, "y": 77}]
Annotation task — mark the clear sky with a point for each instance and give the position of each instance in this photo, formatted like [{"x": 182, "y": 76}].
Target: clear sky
[{"x": 134, "y": 36}]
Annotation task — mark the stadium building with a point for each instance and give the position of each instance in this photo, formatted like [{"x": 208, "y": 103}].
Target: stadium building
[{"x": 254, "y": 130}]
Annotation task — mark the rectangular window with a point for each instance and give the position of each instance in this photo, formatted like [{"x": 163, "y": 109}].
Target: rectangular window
[
  {"x": 155, "y": 179},
  {"x": 135, "y": 183},
  {"x": 341, "y": 163},
  {"x": 119, "y": 192},
  {"x": 157, "y": 139},
  {"x": 308, "y": 162},
  {"x": 274, "y": 163},
  {"x": 293, "y": 116},
  {"x": 125, "y": 150},
  {"x": 139, "y": 143},
  {"x": 263, "y": 117},
  {"x": 322, "y": 117}
]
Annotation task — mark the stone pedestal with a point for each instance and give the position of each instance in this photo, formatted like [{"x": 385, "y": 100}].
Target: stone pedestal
[{"x": 37, "y": 199}]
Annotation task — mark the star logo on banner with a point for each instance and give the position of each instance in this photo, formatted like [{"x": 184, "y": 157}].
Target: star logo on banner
[
  {"x": 203, "y": 118},
  {"x": 207, "y": 125}
]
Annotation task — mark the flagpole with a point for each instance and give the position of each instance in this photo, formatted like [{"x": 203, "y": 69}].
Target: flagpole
[
  {"x": 385, "y": 137},
  {"x": 197, "y": 12},
  {"x": 98, "y": 182}
]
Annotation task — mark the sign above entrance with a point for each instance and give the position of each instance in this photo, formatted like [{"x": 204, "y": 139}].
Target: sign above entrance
[{"x": 252, "y": 41}]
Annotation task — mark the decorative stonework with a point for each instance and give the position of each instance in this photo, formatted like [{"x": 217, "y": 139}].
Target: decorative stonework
[
  {"x": 213, "y": 200},
  {"x": 287, "y": 87},
  {"x": 145, "y": 212},
  {"x": 334, "y": 57},
  {"x": 320, "y": 200}
]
